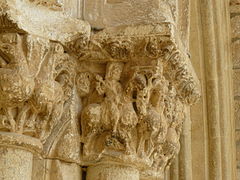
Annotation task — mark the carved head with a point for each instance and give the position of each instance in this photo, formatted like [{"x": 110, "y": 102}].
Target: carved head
[
  {"x": 114, "y": 71},
  {"x": 10, "y": 52},
  {"x": 83, "y": 83},
  {"x": 119, "y": 49}
]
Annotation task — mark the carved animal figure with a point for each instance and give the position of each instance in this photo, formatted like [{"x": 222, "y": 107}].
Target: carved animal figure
[
  {"x": 48, "y": 97},
  {"x": 16, "y": 83}
]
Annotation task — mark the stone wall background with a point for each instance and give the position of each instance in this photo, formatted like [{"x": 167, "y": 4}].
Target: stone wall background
[
  {"x": 212, "y": 155},
  {"x": 235, "y": 23},
  {"x": 74, "y": 8}
]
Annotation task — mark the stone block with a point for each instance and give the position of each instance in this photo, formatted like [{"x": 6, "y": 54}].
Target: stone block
[
  {"x": 15, "y": 164},
  {"x": 237, "y": 113},
  {"x": 235, "y": 2},
  {"x": 73, "y": 8},
  {"x": 106, "y": 13},
  {"x": 237, "y": 135},
  {"x": 236, "y": 54},
  {"x": 236, "y": 82},
  {"x": 61, "y": 170},
  {"x": 238, "y": 173},
  {"x": 235, "y": 22},
  {"x": 112, "y": 172}
]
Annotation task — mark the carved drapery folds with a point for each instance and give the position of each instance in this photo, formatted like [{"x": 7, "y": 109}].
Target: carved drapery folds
[{"x": 115, "y": 97}]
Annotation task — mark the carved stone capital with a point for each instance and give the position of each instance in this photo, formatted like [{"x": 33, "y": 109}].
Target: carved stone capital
[
  {"x": 134, "y": 103},
  {"x": 134, "y": 83},
  {"x": 141, "y": 43},
  {"x": 115, "y": 97},
  {"x": 36, "y": 74}
]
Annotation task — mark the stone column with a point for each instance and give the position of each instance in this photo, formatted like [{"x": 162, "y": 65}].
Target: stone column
[
  {"x": 112, "y": 172},
  {"x": 16, "y": 155}
]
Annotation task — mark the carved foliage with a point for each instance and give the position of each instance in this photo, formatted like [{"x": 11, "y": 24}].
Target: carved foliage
[
  {"x": 150, "y": 47},
  {"x": 52, "y": 4}
]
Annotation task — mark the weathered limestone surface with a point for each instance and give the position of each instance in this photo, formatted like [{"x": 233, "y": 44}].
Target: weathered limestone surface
[
  {"x": 16, "y": 155},
  {"x": 111, "y": 172},
  {"x": 16, "y": 164},
  {"x": 106, "y": 96},
  {"x": 235, "y": 24},
  {"x": 212, "y": 145}
]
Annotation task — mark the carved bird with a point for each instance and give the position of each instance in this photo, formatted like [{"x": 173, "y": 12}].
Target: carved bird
[{"x": 16, "y": 84}]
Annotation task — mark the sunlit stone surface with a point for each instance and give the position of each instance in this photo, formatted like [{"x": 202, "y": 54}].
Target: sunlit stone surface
[{"x": 103, "y": 90}]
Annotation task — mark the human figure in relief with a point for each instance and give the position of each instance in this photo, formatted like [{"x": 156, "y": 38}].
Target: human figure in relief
[
  {"x": 104, "y": 115},
  {"x": 111, "y": 89}
]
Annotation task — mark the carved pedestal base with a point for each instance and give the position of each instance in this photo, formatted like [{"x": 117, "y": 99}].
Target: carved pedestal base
[{"x": 112, "y": 172}]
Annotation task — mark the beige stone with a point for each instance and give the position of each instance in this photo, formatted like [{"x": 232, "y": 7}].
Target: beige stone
[
  {"x": 236, "y": 82},
  {"x": 109, "y": 13},
  {"x": 65, "y": 171},
  {"x": 235, "y": 10},
  {"x": 16, "y": 164},
  {"x": 237, "y": 113},
  {"x": 112, "y": 172},
  {"x": 235, "y": 26},
  {"x": 236, "y": 54},
  {"x": 102, "y": 89},
  {"x": 238, "y": 147}
]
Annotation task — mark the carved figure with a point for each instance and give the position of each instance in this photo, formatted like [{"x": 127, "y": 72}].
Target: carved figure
[
  {"x": 111, "y": 89},
  {"x": 151, "y": 89},
  {"x": 16, "y": 81},
  {"x": 83, "y": 83},
  {"x": 119, "y": 49},
  {"x": 104, "y": 116},
  {"x": 48, "y": 97},
  {"x": 31, "y": 100}
]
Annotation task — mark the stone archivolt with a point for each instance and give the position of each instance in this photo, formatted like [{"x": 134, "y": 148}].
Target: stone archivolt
[{"x": 117, "y": 97}]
